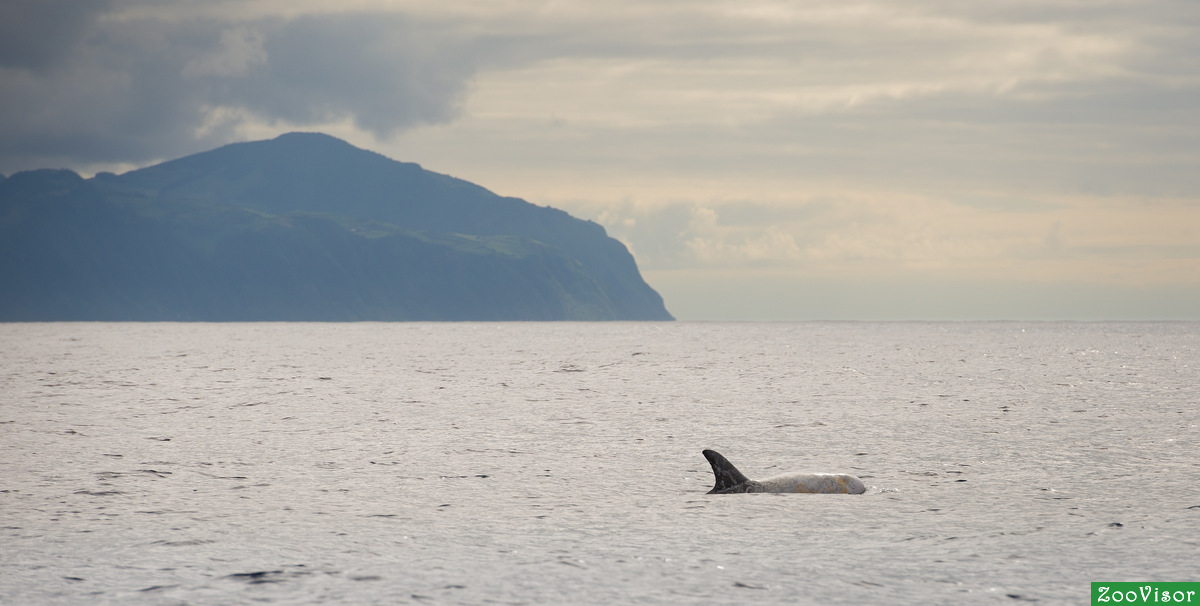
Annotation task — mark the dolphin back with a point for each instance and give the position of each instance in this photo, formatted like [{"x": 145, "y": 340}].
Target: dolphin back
[
  {"x": 728, "y": 477},
  {"x": 821, "y": 483},
  {"x": 730, "y": 480}
]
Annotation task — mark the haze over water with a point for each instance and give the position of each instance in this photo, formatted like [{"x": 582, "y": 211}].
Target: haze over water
[{"x": 546, "y": 463}]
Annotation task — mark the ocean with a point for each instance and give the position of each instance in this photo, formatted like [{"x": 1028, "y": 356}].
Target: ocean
[{"x": 554, "y": 463}]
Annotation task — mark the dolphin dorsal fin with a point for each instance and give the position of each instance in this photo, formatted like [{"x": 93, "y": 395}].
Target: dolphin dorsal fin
[{"x": 727, "y": 475}]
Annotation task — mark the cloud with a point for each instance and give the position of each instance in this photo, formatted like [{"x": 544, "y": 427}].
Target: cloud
[
  {"x": 878, "y": 234},
  {"x": 240, "y": 49},
  {"x": 120, "y": 86},
  {"x": 848, "y": 87},
  {"x": 1034, "y": 140},
  {"x": 1057, "y": 97},
  {"x": 40, "y": 34}
]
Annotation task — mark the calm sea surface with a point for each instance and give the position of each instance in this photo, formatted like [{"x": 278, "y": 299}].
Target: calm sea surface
[{"x": 560, "y": 463}]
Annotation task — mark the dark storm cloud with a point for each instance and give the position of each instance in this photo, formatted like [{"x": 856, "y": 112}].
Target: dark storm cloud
[
  {"x": 37, "y": 34},
  {"x": 78, "y": 86},
  {"x": 388, "y": 73},
  {"x": 878, "y": 88}
]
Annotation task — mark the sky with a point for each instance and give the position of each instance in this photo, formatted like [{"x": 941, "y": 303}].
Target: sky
[{"x": 762, "y": 160}]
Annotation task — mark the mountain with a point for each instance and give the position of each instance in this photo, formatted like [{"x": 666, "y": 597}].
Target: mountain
[{"x": 301, "y": 227}]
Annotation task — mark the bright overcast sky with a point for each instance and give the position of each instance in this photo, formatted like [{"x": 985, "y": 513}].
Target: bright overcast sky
[{"x": 762, "y": 160}]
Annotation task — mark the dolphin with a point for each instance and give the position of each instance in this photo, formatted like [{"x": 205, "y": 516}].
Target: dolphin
[{"x": 731, "y": 481}]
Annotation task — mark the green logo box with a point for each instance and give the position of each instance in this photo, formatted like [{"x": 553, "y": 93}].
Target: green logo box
[{"x": 1146, "y": 593}]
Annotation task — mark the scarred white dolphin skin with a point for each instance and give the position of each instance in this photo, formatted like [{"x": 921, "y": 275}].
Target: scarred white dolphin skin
[{"x": 731, "y": 481}]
